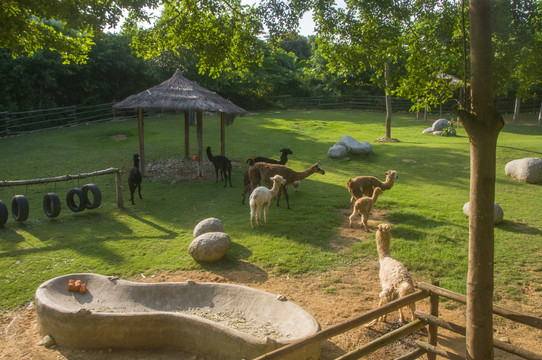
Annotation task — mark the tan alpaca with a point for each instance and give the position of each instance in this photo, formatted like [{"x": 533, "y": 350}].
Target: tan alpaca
[
  {"x": 363, "y": 207},
  {"x": 395, "y": 279},
  {"x": 363, "y": 185},
  {"x": 265, "y": 171}
]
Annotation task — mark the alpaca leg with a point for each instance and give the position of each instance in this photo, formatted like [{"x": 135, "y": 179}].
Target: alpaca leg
[
  {"x": 139, "y": 191},
  {"x": 287, "y": 199},
  {"x": 258, "y": 214},
  {"x": 364, "y": 222},
  {"x": 265, "y": 209},
  {"x": 229, "y": 174},
  {"x": 216, "y": 173},
  {"x": 351, "y": 217},
  {"x": 413, "y": 310},
  {"x": 252, "y": 215},
  {"x": 278, "y": 195}
]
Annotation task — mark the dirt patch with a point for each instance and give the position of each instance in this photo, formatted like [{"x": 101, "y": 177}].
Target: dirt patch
[
  {"x": 180, "y": 169},
  {"x": 332, "y": 298}
]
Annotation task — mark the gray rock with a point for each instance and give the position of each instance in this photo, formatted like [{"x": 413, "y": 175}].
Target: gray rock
[
  {"x": 438, "y": 133},
  {"x": 440, "y": 124},
  {"x": 528, "y": 170},
  {"x": 429, "y": 130},
  {"x": 498, "y": 213},
  {"x": 210, "y": 246},
  {"x": 208, "y": 225},
  {"x": 337, "y": 151},
  {"x": 355, "y": 147}
]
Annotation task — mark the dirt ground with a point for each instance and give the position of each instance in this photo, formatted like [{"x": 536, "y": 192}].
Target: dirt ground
[{"x": 332, "y": 298}]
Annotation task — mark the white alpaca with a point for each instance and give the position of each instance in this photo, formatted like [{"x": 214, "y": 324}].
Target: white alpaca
[
  {"x": 395, "y": 279},
  {"x": 261, "y": 198}
]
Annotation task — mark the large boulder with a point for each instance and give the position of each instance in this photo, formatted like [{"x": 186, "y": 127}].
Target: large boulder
[
  {"x": 337, "y": 151},
  {"x": 355, "y": 147},
  {"x": 429, "y": 130},
  {"x": 210, "y": 246},
  {"x": 208, "y": 225},
  {"x": 498, "y": 213},
  {"x": 440, "y": 124},
  {"x": 527, "y": 169}
]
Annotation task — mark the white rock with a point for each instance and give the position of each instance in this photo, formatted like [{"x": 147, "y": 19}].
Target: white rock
[
  {"x": 210, "y": 246},
  {"x": 528, "y": 170},
  {"x": 337, "y": 151},
  {"x": 440, "y": 124},
  {"x": 208, "y": 225},
  {"x": 498, "y": 213}
]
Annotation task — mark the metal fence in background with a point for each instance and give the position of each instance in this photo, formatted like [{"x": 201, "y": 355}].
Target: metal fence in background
[{"x": 16, "y": 123}]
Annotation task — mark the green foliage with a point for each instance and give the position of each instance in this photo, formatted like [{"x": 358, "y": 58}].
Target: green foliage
[
  {"x": 66, "y": 27},
  {"x": 430, "y": 232}
]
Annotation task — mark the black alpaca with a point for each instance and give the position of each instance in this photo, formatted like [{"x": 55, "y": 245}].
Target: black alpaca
[
  {"x": 221, "y": 163},
  {"x": 283, "y": 158},
  {"x": 134, "y": 179}
]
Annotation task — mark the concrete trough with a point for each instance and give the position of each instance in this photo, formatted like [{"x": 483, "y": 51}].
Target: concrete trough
[{"x": 222, "y": 321}]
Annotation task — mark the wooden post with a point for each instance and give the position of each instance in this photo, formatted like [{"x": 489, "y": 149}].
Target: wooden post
[
  {"x": 223, "y": 134},
  {"x": 118, "y": 183},
  {"x": 186, "y": 135},
  {"x": 433, "y": 329},
  {"x": 141, "y": 141},
  {"x": 200, "y": 142}
]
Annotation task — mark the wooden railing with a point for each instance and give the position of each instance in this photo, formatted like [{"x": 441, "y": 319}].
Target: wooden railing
[{"x": 429, "y": 348}]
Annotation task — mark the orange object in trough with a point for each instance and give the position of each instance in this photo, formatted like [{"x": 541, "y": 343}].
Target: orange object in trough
[
  {"x": 83, "y": 288},
  {"x": 71, "y": 285}
]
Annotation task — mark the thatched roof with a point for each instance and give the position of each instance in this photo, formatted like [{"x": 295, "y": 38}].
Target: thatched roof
[{"x": 180, "y": 94}]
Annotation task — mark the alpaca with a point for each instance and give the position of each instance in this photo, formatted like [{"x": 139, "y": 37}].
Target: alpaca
[
  {"x": 134, "y": 179},
  {"x": 246, "y": 180},
  {"x": 261, "y": 198},
  {"x": 363, "y": 185},
  {"x": 221, "y": 163},
  {"x": 363, "y": 207},
  {"x": 283, "y": 158},
  {"x": 395, "y": 279},
  {"x": 265, "y": 171}
]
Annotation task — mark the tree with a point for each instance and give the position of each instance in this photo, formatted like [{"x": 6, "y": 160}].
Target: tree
[
  {"x": 483, "y": 125},
  {"x": 65, "y": 26},
  {"x": 222, "y": 34},
  {"x": 366, "y": 35}
]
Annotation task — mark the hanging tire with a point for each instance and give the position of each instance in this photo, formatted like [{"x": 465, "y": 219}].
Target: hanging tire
[
  {"x": 20, "y": 208},
  {"x": 3, "y": 213},
  {"x": 96, "y": 196},
  {"x": 70, "y": 200},
  {"x": 51, "y": 205}
]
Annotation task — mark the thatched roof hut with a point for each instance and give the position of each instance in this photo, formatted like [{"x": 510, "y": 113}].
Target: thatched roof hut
[{"x": 180, "y": 94}]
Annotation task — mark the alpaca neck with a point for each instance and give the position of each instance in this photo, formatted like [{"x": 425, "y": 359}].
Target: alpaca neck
[
  {"x": 386, "y": 185},
  {"x": 383, "y": 252},
  {"x": 283, "y": 158},
  {"x": 375, "y": 196},
  {"x": 209, "y": 155},
  {"x": 136, "y": 163},
  {"x": 275, "y": 189},
  {"x": 300, "y": 175}
]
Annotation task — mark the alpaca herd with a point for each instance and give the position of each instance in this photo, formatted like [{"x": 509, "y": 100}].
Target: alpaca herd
[{"x": 364, "y": 191}]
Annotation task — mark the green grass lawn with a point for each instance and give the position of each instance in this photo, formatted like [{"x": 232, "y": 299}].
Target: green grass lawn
[{"x": 430, "y": 232}]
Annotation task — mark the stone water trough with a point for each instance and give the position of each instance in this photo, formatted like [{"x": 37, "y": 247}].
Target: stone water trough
[{"x": 222, "y": 321}]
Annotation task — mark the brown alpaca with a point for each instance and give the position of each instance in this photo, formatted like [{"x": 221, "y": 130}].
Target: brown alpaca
[
  {"x": 263, "y": 171},
  {"x": 363, "y": 207},
  {"x": 395, "y": 279},
  {"x": 363, "y": 185}
]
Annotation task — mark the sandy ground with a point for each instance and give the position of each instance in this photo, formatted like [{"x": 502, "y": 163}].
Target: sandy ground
[{"x": 332, "y": 298}]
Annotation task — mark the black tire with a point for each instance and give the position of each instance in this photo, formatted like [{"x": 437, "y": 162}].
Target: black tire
[
  {"x": 20, "y": 208},
  {"x": 51, "y": 205},
  {"x": 70, "y": 200},
  {"x": 96, "y": 196},
  {"x": 3, "y": 213}
]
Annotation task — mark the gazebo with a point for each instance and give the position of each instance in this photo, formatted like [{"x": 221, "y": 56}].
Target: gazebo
[{"x": 180, "y": 94}]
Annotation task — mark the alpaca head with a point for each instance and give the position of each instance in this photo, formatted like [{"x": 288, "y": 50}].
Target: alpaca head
[
  {"x": 318, "y": 169},
  {"x": 278, "y": 179},
  {"x": 391, "y": 174},
  {"x": 249, "y": 161},
  {"x": 286, "y": 151},
  {"x": 377, "y": 191}
]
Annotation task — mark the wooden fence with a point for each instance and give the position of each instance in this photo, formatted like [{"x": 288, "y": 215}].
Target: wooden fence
[
  {"x": 430, "y": 347},
  {"x": 15, "y": 123}
]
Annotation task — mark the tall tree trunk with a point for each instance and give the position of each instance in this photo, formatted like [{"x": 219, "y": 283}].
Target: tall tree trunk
[
  {"x": 515, "y": 120},
  {"x": 388, "y": 100},
  {"x": 483, "y": 125}
]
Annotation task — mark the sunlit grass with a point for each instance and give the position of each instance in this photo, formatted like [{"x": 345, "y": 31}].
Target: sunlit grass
[{"x": 430, "y": 232}]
